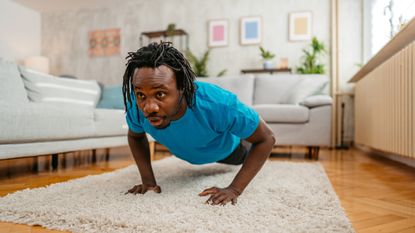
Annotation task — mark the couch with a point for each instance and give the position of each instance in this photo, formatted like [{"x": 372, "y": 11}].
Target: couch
[
  {"x": 296, "y": 107},
  {"x": 42, "y": 114}
]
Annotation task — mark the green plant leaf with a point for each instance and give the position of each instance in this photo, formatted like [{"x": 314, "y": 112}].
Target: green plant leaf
[
  {"x": 199, "y": 66},
  {"x": 222, "y": 72},
  {"x": 265, "y": 54},
  {"x": 309, "y": 64}
]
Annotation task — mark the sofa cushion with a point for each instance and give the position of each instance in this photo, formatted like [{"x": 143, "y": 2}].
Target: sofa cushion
[
  {"x": 44, "y": 122},
  {"x": 282, "y": 113},
  {"x": 11, "y": 88},
  {"x": 317, "y": 100},
  {"x": 110, "y": 122},
  {"x": 241, "y": 86},
  {"x": 307, "y": 86},
  {"x": 274, "y": 89},
  {"x": 51, "y": 89}
]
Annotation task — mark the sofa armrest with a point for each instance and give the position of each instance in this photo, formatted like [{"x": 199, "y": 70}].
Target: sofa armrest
[{"x": 316, "y": 101}]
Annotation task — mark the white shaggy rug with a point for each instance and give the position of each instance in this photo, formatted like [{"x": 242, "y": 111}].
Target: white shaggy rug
[{"x": 283, "y": 197}]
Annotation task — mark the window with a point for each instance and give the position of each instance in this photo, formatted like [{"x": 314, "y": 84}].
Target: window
[{"x": 378, "y": 28}]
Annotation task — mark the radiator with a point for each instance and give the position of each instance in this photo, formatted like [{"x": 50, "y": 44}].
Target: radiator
[{"x": 385, "y": 105}]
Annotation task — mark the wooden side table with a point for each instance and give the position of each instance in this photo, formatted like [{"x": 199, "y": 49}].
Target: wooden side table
[{"x": 271, "y": 71}]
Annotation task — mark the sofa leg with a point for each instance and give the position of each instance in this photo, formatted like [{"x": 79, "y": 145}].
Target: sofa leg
[
  {"x": 54, "y": 162},
  {"x": 63, "y": 160},
  {"x": 315, "y": 152},
  {"x": 35, "y": 164},
  {"x": 107, "y": 154},
  {"x": 310, "y": 152},
  {"x": 94, "y": 155}
]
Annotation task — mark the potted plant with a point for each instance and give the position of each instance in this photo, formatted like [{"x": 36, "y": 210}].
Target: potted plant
[
  {"x": 199, "y": 66},
  {"x": 170, "y": 29},
  {"x": 310, "y": 63},
  {"x": 267, "y": 56}
]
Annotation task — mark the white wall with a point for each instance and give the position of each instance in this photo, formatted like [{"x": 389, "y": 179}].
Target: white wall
[
  {"x": 350, "y": 41},
  {"x": 350, "y": 54},
  {"x": 65, "y": 34},
  {"x": 20, "y": 31}
]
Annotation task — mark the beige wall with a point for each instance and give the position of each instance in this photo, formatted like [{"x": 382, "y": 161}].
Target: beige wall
[
  {"x": 65, "y": 38},
  {"x": 64, "y": 34},
  {"x": 20, "y": 31},
  {"x": 350, "y": 41},
  {"x": 350, "y": 54}
]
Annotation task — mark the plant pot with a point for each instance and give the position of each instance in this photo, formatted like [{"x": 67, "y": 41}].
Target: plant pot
[{"x": 268, "y": 65}]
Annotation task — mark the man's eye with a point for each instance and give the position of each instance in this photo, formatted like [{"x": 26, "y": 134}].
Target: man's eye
[
  {"x": 161, "y": 94},
  {"x": 140, "y": 96}
]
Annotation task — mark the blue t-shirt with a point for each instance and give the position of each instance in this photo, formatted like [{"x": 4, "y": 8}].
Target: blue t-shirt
[{"x": 208, "y": 132}]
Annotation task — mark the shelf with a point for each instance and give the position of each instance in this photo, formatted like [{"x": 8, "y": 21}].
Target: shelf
[
  {"x": 154, "y": 34},
  {"x": 266, "y": 70},
  {"x": 180, "y": 33}
]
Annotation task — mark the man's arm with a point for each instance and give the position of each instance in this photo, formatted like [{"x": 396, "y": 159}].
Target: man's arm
[
  {"x": 140, "y": 149},
  {"x": 262, "y": 141}
]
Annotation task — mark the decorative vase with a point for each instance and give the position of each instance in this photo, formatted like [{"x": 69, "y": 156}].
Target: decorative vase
[{"x": 268, "y": 65}]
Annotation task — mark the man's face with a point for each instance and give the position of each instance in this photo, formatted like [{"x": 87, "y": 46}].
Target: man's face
[{"x": 157, "y": 95}]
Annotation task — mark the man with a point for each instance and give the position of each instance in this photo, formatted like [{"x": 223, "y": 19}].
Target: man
[{"x": 198, "y": 122}]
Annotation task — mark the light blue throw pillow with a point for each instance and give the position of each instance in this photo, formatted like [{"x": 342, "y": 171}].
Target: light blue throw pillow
[{"x": 111, "y": 98}]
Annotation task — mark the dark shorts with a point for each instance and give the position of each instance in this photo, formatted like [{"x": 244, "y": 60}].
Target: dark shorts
[{"x": 239, "y": 155}]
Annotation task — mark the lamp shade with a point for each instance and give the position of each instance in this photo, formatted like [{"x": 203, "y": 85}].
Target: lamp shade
[{"x": 38, "y": 63}]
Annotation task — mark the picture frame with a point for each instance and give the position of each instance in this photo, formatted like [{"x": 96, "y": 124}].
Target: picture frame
[
  {"x": 218, "y": 33},
  {"x": 251, "y": 30},
  {"x": 104, "y": 42},
  {"x": 300, "y": 25}
]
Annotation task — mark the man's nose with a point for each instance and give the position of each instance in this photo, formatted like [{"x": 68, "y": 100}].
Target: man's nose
[{"x": 150, "y": 107}]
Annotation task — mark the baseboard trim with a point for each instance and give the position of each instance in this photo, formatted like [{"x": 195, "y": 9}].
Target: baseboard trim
[{"x": 398, "y": 158}]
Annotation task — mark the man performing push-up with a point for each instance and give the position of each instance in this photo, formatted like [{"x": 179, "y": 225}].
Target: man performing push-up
[{"x": 198, "y": 122}]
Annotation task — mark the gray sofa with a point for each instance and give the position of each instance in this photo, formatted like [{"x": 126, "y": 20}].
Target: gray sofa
[
  {"x": 42, "y": 114},
  {"x": 296, "y": 107}
]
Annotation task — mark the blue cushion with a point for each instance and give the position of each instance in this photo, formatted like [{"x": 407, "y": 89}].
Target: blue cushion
[{"x": 111, "y": 98}]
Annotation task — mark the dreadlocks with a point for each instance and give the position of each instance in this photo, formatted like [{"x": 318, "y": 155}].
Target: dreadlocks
[{"x": 153, "y": 56}]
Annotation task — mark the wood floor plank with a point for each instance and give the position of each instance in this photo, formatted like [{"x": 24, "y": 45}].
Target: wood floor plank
[
  {"x": 404, "y": 202},
  {"x": 394, "y": 226},
  {"x": 38, "y": 229},
  {"x": 386, "y": 207},
  {"x": 408, "y": 230},
  {"x": 375, "y": 221},
  {"x": 17, "y": 228},
  {"x": 361, "y": 215}
]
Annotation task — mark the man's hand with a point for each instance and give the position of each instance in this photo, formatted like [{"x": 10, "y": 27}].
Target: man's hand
[
  {"x": 142, "y": 188},
  {"x": 221, "y": 196}
]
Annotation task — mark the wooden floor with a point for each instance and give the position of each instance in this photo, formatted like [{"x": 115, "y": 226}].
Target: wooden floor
[{"x": 377, "y": 194}]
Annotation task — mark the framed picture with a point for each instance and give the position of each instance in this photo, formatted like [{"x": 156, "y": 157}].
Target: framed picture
[
  {"x": 251, "y": 30},
  {"x": 218, "y": 33},
  {"x": 104, "y": 42},
  {"x": 300, "y": 26}
]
